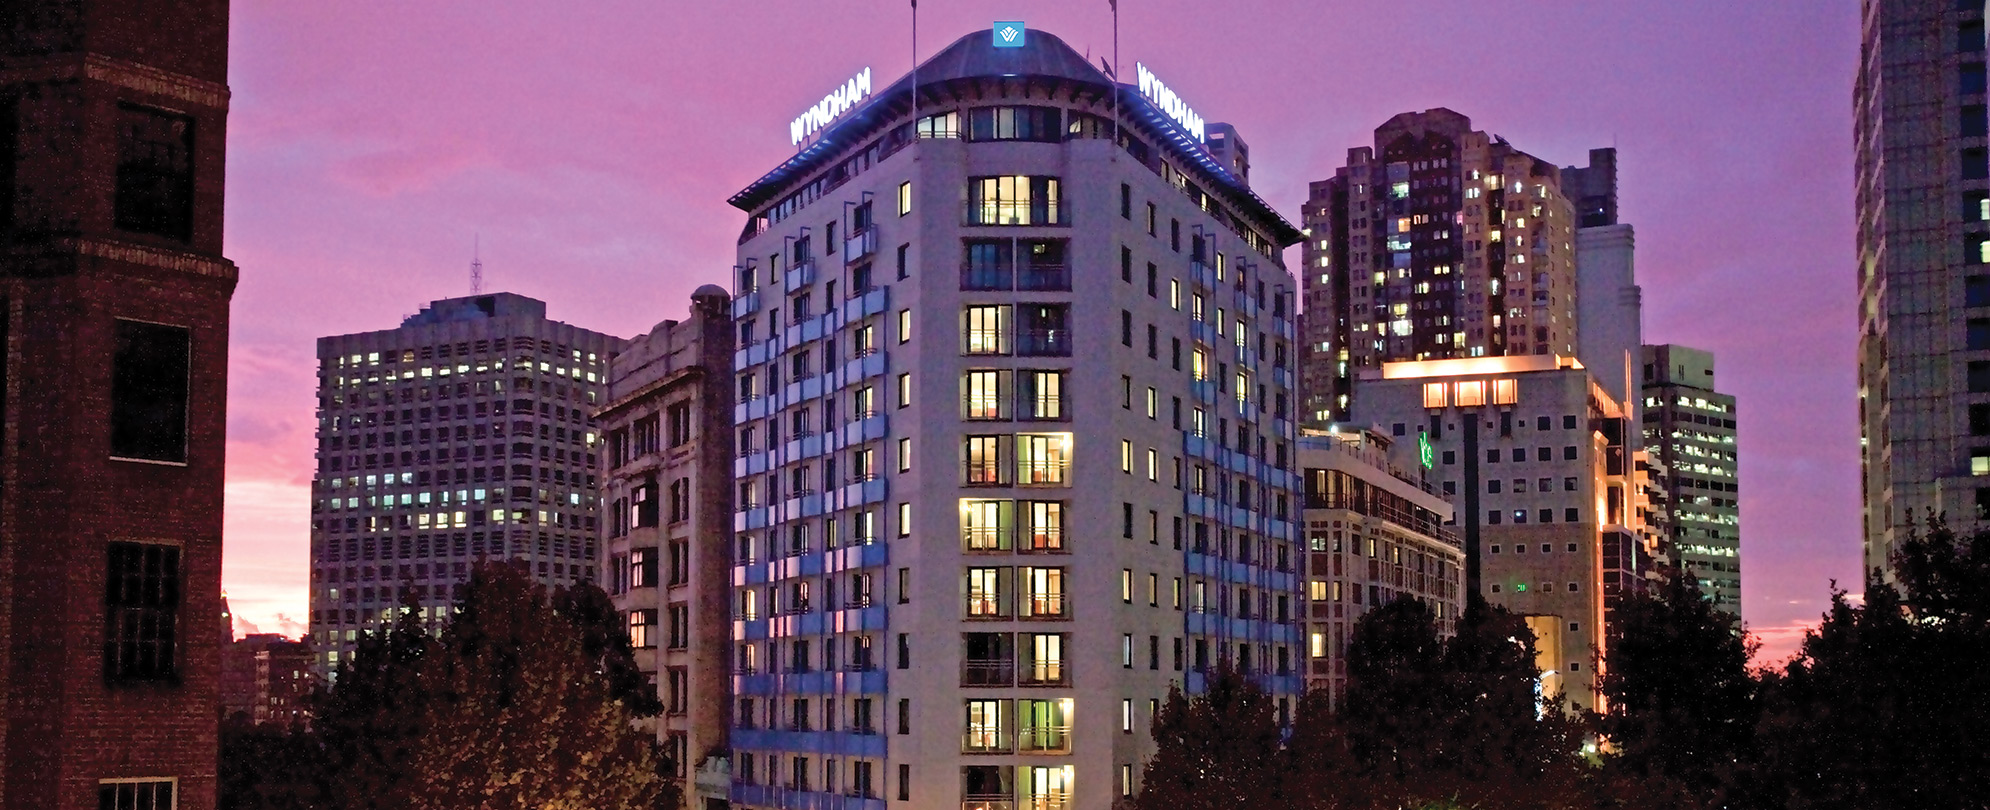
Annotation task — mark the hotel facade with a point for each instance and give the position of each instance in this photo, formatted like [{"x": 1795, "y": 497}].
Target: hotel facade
[{"x": 1015, "y": 403}]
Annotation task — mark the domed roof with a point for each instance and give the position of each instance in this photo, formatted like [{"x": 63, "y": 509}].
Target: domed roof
[{"x": 710, "y": 290}]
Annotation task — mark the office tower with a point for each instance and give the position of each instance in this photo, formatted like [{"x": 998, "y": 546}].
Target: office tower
[
  {"x": 1609, "y": 303},
  {"x": 113, "y": 386},
  {"x": 1437, "y": 242},
  {"x": 1533, "y": 452},
  {"x": 666, "y": 542},
  {"x": 1014, "y": 415},
  {"x": 1923, "y": 195},
  {"x": 1689, "y": 427},
  {"x": 464, "y": 435},
  {"x": 1375, "y": 530}
]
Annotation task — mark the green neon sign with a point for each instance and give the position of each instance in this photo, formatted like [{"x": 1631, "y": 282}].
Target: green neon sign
[{"x": 1424, "y": 450}]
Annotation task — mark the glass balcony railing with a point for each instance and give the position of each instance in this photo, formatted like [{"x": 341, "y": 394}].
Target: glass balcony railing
[
  {"x": 1045, "y": 739},
  {"x": 987, "y": 672},
  {"x": 1043, "y": 673},
  {"x": 1025, "y": 212},
  {"x": 986, "y": 741}
]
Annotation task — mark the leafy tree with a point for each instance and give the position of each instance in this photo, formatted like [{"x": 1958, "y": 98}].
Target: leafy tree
[
  {"x": 604, "y": 640},
  {"x": 517, "y": 715},
  {"x": 514, "y": 704},
  {"x": 1682, "y": 703},
  {"x": 1885, "y": 703},
  {"x": 1214, "y": 751}
]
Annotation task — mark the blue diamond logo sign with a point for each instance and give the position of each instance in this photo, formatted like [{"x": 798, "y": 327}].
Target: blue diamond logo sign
[{"x": 1009, "y": 34}]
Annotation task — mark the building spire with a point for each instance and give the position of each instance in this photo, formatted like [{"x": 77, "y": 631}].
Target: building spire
[{"x": 477, "y": 265}]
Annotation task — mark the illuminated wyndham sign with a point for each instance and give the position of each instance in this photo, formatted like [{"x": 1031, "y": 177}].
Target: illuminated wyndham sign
[
  {"x": 1010, "y": 34},
  {"x": 1169, "y": 103},
  {"x": 831, "y": 106}
]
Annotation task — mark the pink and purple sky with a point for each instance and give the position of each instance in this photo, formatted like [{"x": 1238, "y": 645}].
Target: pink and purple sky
[{"x": 593, "y": 146}]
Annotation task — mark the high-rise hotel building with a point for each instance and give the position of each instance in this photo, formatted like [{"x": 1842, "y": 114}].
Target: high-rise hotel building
[
  {"x": 1438, "y": 242},
  {"x": 976, "y": 543},
  {"x": 1690, "y": 429},
  {"x": 465, "y": 434},
  {"x": 666, "y": 532},
  {"x": 1923, "y": 196}
]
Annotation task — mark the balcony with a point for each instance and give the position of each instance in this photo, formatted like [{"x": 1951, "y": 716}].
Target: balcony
[
  {"x": 1043, "y": 473},
  {"x": 987, "y": 803},
  {"x": 1043, "y": 342},
  {"x": 1036, "y": 213},
  {"x": 1044, "y": 606},
  {"x": 981, "y": 604},
  {"x": 799, "y": 276},
  {"x": 986, "y": 741},
  {"x": 987, "y": 671},
  {"x": 1043, "y": 673},
  {"x": 860, "y": 245},
  {"x": 1042, "y": 540},
  {"x": 1045, "y": 739},
  {"x": 987, "y": 538},
  {"x": 1027, "y": 278}
]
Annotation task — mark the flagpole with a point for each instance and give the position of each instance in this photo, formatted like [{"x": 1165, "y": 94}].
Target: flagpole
[
  {"x": 1115, "y": 78},
  {"x": 915, "y": 66}
]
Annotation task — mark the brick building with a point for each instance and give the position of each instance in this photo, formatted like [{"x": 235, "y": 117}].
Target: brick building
[{"x": 113, "y": 361}]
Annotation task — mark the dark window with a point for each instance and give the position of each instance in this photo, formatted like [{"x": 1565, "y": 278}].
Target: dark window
[
  {"x": 150, "y": 794},
  {"x": 1969, "y": 36},
  {"x": 1125, "y": 327},
  {"x": 1979, "y": 377},
  {"x": 149, "y": 392},
  {"x": 1972, "y": 78},
  {"x": 1175, "y": 234},
  {"x": 1125, "y": 264},
  {"x": 154, "y": 172},
  {"x": 1979, "y": 334},
  {"x": 1571, "y": 515},
  {"x": 1043, "y": 330},
  {"x": 1014, "y": 124},
  {"x": 1568, "y": 452},
  {"x": 1974, "y": 124},
  {"x": 1975, "y": 164},
  {"x": 9, "y": 154},
  {"x": 1983, "y": 504},
  {"x": 141, "y": 612},
  {"x": 1979, "y": 420},
  {"x": 987, "y": 265},
  {"x": 904, "y": 271},
  {"x": 1126, "y": 191},
  {"x": 1976, "y": 291}
]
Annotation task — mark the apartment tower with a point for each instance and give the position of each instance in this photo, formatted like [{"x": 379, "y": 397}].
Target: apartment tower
[
  {"x": 1438, "y": 242},
  {"x": 976, "y": 544},
  {"x": 113, "y": 387},
  {"x": 1689, "y": 428},
  {"x": 466, "y": 434},
  {"x": 1923, "y": 196},
  {"x": 666, "y": 537}
]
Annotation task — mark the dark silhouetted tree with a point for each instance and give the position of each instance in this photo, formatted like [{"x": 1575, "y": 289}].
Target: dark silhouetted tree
[
  {"x": 1213, "y": 751},
  {"x": 1887, "y": 704}
]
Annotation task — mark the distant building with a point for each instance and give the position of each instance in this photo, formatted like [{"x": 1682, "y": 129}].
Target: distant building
[
  {"x": 1690, "y": 428},
  {"x": 266, "y": 678},
  {"x": 666, "y": 542},
  {"x": 465, "y": 434},
  {"x": 1438, "y": 242},
  {"x": 1533, "y": 452},
  {"x": 1609, "y": 303},
  {"x": 114, "y": 298},
  {"x": 1375, "y": 531},
  {"x": 1923, "y": 197}
]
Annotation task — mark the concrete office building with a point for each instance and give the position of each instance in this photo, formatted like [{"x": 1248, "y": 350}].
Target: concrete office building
[
  {"x": 1533, "y": 452},
  {"x": 1438, "y": 242},
  {"x": 1375, "y": 530},
  {"x": 1609, "y": 308},
  {"x": 976, "y": 543},
  {"x": 666, "y": 485},
  {"x": 1923, "y": 197},
  {"x": 465, "y": 434},
  {"x": 114, "y": 321},
  {"x": 265, "y": 678},
  {"x": 1690, "y": 428}
]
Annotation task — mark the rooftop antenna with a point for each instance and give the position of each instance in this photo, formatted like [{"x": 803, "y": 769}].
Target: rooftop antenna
[{"x": 477, "y": 265}]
